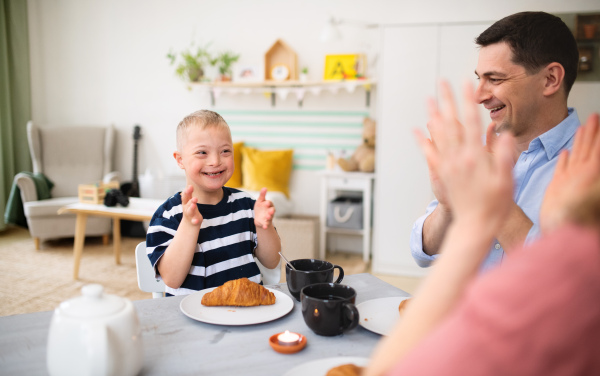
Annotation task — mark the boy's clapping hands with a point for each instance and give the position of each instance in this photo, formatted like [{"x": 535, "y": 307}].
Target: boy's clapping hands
[
  {"x": 263, "y": 210},
  {"x": 190, "y": 209}
]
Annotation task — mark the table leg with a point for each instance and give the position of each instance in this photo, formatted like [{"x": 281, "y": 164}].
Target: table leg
[
  {"x": 117, "y": 239},
  {"x": 79, "y": 240}
]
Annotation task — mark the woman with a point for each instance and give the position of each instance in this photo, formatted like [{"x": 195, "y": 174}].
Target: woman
[{"x": 536, "y": 314}]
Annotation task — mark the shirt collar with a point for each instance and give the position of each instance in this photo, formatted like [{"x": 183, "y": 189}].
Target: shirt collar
[{"x": 556, "y": 138}]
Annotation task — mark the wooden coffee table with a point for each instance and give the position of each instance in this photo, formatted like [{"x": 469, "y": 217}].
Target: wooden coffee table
[{"x": 139, "y": 209}]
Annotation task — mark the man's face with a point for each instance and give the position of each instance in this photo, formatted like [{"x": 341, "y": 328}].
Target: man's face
[
  {"x": 513, "y": 97},
  {"x": 206, "y": 155}
]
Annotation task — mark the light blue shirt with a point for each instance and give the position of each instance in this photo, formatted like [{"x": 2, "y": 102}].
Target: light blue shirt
[{"x": 532, "y": 174}]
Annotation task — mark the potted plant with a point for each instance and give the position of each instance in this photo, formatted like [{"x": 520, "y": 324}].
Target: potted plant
[
  {"x": 223, "y": 62},
  {"x": 304, "y": 74},
  {"x": 190, "y": 63}
]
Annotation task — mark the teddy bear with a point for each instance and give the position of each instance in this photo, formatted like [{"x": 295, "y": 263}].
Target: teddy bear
[{"x": 363, "y": 158}]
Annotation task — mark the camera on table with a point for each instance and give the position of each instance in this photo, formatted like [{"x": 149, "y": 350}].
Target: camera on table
[{"x": 114, "y": 197}]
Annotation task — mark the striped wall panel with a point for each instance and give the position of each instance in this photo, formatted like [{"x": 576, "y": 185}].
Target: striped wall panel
[{"x": 312, "y": 134}]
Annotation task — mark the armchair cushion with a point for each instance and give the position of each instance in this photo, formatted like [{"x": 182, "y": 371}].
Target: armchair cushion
[{"x": 48, "y": 207}]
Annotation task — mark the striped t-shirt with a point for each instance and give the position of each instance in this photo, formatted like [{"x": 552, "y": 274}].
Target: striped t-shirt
[{"x": 226, "y": 241}]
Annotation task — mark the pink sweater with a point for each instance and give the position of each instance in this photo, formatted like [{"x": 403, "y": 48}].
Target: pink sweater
[{"x": 536, "y": 314}]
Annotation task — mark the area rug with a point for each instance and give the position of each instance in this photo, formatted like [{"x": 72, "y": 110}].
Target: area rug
[{"x": 33, "y": 281}]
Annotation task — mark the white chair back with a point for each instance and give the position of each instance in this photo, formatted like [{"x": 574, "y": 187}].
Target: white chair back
[
  {"x": 145, "y": 273},
  {"x": 149, "y": 283},
  {"x": 269, "y": 276}
]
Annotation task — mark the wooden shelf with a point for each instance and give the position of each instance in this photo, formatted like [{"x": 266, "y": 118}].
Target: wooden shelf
[
  {"x": 272, "y": 87},
  {"x": 287, "y": 83},
  {"x": 583, "y": 21}
]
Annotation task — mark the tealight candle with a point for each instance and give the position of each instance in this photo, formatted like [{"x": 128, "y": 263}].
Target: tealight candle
[
  {"x": 287, "y": 342},
  {"x": 288, "y": 339}
]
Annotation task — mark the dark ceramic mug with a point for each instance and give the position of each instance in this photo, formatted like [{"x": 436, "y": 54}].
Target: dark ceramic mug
[
  {"x": 308, "y": 272},
  {"x": 328, "y": 309}
]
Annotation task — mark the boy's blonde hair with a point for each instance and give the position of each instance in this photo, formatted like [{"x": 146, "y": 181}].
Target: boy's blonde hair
[{"x": 202, "y": 119}]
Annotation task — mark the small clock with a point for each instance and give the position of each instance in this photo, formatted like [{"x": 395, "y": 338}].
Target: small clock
[{"x": 280, "y": 72}]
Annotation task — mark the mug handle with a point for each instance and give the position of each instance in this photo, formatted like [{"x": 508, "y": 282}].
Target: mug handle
[
  {"x": 352, "y": 314},
  {"x": 340, "y": 275}
]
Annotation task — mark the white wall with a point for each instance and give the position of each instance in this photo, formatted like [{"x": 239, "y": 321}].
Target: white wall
[
  {"x": 100, "y": 62},
  {"x": 104, "y": 61}
]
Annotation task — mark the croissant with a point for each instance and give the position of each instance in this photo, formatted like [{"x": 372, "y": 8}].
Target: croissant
[
  {"x": 345, "y": 370},
  {"x": 239, "y": 292},
  {"x": 402, "y": 306}
]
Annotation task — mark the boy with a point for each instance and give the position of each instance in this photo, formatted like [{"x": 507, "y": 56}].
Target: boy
[{"x": 207, "y": 234}]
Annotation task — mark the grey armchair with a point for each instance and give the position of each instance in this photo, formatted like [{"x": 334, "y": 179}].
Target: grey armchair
[{"x": 68, "y": 156}]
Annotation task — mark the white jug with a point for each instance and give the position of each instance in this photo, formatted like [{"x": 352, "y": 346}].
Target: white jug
[{"x": 95, "y": 334}]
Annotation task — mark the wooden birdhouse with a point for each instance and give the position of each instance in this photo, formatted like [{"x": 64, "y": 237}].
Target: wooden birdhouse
[{"x": 281, "y": 62}]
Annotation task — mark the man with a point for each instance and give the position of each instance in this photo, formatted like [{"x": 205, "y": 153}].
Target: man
[{"x": 527, "y": 66}]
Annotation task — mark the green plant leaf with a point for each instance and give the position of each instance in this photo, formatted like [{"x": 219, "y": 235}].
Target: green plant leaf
[{"x": 190, "y": 63}]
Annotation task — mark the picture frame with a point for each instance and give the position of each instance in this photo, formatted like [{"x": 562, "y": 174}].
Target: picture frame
[
  {"x": 345, "y": 67},
  {"x": 248, "y": 73}
]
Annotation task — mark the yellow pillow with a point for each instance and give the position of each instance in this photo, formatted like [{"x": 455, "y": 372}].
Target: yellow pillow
[
  {"x": 236, "y": 179},
  {"x": 269, "y": 168}
]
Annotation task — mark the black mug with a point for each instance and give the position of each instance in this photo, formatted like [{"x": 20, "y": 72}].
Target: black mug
[
  {"x": 328, "y": 309},
  {"x": 308, "y": 272}
]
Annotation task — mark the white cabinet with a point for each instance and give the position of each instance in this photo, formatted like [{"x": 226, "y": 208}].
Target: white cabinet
[
  {"x": 334, "y": 182},
  {"x": 413, "y": 59}
]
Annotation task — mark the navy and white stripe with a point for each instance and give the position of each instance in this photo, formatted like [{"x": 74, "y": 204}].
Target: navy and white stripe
[{"x": 225, "y": 245}]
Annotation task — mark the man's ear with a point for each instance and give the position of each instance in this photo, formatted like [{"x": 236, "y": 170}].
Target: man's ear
[
  {"x": 554, "y": 75},
  {"x": 177, "y": 156}
]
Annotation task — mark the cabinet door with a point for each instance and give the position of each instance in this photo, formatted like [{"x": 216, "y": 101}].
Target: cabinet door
[
  {"x": 413, "y": 60},
  {"x": 408, "y": 71}
]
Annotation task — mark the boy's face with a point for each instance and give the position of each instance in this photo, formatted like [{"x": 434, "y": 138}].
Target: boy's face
[{"x": 206, "y": 155}]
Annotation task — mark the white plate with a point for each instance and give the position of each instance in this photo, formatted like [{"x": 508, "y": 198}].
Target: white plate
[
  {"x": 192, "y": 307},
  {"x": 322, "y": 366},
  {"x": 380, "y": 315}
]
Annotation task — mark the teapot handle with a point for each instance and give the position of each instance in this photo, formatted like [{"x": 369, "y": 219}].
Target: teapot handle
[{"x": 96, "y": 336}]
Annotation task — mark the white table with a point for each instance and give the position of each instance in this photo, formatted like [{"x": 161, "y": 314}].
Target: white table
[
  {"x": 177, "y": 345},
  {"x": 335, "y": 181},
  {"x": 139, "y": 209}
]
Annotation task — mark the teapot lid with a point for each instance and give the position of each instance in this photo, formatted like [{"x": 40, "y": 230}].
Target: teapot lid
[{"x": 93, "y": 303}]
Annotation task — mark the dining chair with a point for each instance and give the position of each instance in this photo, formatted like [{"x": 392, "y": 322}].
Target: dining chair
[{"x": 147, "y": 282}]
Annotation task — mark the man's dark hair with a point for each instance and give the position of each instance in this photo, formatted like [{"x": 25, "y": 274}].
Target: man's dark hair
[{"x": 536, "y": 40}]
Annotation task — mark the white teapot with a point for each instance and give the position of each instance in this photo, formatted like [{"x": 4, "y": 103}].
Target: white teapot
[{"x": 95, "y": 334}]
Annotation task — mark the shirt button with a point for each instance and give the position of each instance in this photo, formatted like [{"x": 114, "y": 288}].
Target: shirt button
[{"x": 497, "y": 246}]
